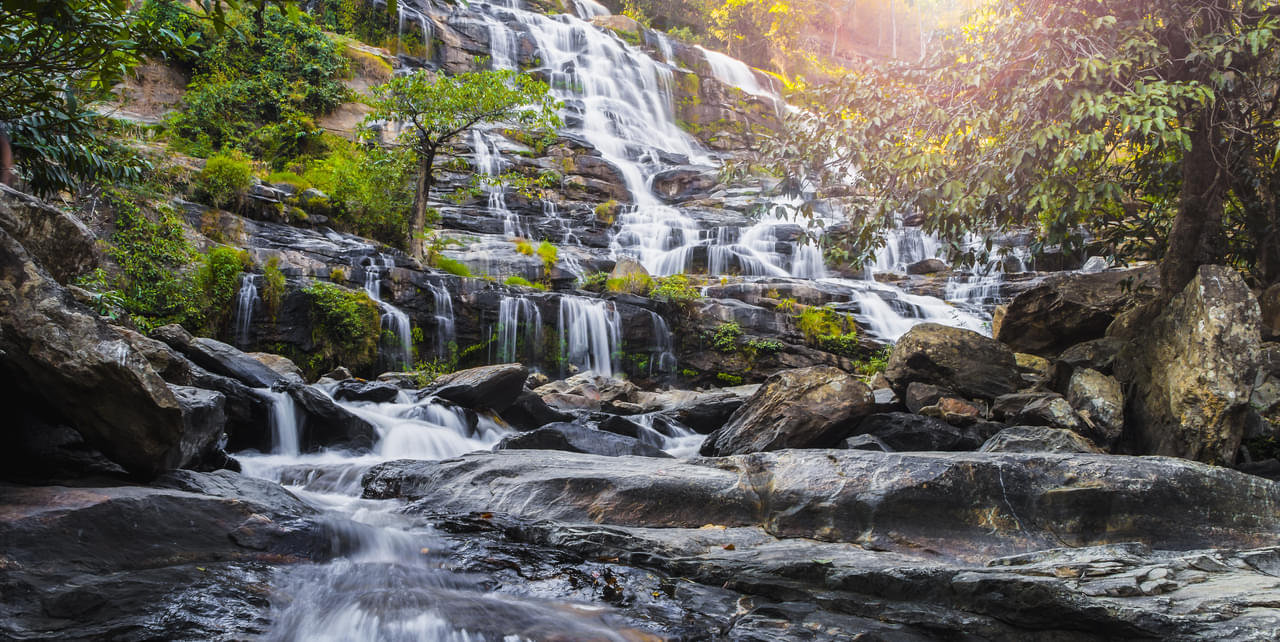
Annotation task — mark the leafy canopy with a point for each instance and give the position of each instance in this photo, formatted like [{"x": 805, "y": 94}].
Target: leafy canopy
[{"x": 1137, "y": 119}]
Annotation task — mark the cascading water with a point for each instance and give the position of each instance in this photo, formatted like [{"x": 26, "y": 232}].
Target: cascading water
[
  {"x": 662, "y": 361},
  {"x": 446, "y": 333},
  {"x": 519, "y": 326},
  {"x": 245, "y": 300},
  {"x": 591, "y": 334},
  {"x": 394, "y": 319},
  {"x": 286, "y": 432},
  {"x": 488, "y": 161}
]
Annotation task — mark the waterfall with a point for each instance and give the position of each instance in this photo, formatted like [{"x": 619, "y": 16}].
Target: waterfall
[
  {"x": 445, "y": 328},
  {"x": 394, "y": 319},
  {"x": 286, "y": 432},
  {"x": 590, "y": 333},
  {"x": 663, "y": 359},
  {"x": 519, "y": 324},
  {"x": 245, "y": 301},
  {"x": 488, "y": 162},
  {"x": 735, "y": 73}
]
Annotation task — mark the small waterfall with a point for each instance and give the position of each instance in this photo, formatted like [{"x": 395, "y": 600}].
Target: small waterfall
[
  {"x": 488, "y": 162},
  {"x": 393, "y": 319},
  {"x": 590, "y": 333},
  {"x": 286, "y": 432},
  {"x": 663, "y": 360},
  {"x": 519, "y": 325},
  {"x": 245, "y": 301},
  {"x": 445, "y": 329},
  {"x": 736, "y": 73}
]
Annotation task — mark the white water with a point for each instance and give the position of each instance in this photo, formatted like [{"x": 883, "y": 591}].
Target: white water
[
  {"x": 519, "y": 330},
  {"x": 590, "y": 330},
  {"x": 446, "y": 332},
  {"x": 735, "y": 73},
  {"x": 662, "y": 361},
  {"x": 286, "y": 431},
  {"x": 394, "y": 319},
  {"x": 245, "y": 300}
]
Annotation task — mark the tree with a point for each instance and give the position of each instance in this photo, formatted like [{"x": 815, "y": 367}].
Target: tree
[
  {"x": 1134, "y": 118},
  {"x": 435, "y": 111}
]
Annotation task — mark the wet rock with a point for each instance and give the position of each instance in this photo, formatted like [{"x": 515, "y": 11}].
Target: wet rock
[
  {"x": 326, "y": 424},
  {"x": 278, "y": 364},
  {"x": 578, "y": 439},
  {"x": 1068, "y": 309},
  {"x": 630, "y": 276},
  {"x": 1269, "y": 301},
  {"x": 961, "y": 505},
  {"x": 962, "y": 360},
  {"x": 220, "y": 358},
  {"x": 682, "y": 183},
  {"x": 373, "y": 391},
  {"x": 954, "y": 411},
  {"x": 1266, "y": 390},
  {"x": 204, "y": 419},
  {"x": 338, "y": 374},
  {"x": 1038, "y": 409},
  {"x": 529, "y": 411},
  {"x": 58, "y": 241},
  {"x": 62, "y": 357},
  {"x": 1038, "y": 439},
  {"x": 807, "y": 408},
  {"x": 927, "y": 266},
  {"x": 592, "y": 389},
  {"x": 867, "y": 442},
  {"x": 1192, "y": 369},
  {"x": 902, "y": 431},
  {"x": 1100, "y": 400},
  {"x": 708, "y": 412},
  {"x": 487, "y": 387}
]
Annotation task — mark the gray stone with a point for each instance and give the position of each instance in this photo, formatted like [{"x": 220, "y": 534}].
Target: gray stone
[
  {"x": 1038, "y": 439},
  {"x": 1100, "y": 400},
  {"x": 961, "y": 360}
]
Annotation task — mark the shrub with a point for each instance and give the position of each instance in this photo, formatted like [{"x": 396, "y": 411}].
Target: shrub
[
  {"x": 273, "y": 285},
  {"x": 518, "y": 280},
  {"x": 548, "y": 253},
  {"x": 151, "y": 255},
  {"x": 345, "y": 325},
  {"x": 524, "y": 247},
  {"x": 633, "y": 283},
  {"x": 225, "y": 180},
  {"x": 675, "y": 289},
  {"x": 217, "y": 281},
  {"x": 729, "y": 379},
  {"x": 766, "y": 346},
  {"x": 875, "y": 363},
  {"x": 289, "y": 178},
  {"x": 371, "y": 190},
  {"x": 725, "y": 337},
  {"x": 594, "y": 282},
  {"x": 456, "y": 268},
  {"x": 829, "y": 330},
  {"x": 337, "y": 275}
]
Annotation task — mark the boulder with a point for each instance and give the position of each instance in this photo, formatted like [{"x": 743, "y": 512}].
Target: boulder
[
  {"x": 529, "y": 411},
  {"x": 1038, "y": 439},
  {"x": 1038, "y": 409},
  {"x": 1067, "y": 309},
  {"x": 807, "y": 408},
  {"x": 1266, "y": 389},
  {"x": 902, "y": 431},
  {"x": 920, "y": 395},
  {"x": 1270, "y": 304},
  {"x": 325, "y": 423},
  {"x": 927, "y": 266},
  {"x": 1097, "y": 354},
  {"x": 220, "y": 358},
  {"x": 278, "y": 364},
  {"x": 573, "y": 438},
  {"x": 372, "y": 391},
  {"x": 57, "y": 241},
  {"x": 1191, "y": 371},
  {"x": 954, "y": 411},
  {"x": 630, "y": 276},
  {"x": 204, "y": 420},
  {"x": 1100, "y": 401},
  {"x": 64, "y": 358},
  {"x": 487, "y": 387},
  {"x": 867, "y": 442},
  {"x": 707, "y": 412},
  {"x": 593, "y": 387},
  {"x": 961, "y": 360},
  {"x": 684, "y": 182}
]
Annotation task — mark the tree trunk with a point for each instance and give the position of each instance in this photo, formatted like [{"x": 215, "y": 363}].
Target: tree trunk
[
  {"x": 893, "y": 30},
  {"x": 1197, "y": 228},
  {"x": 415, "y": 242},
  {"x": 6, "y": 159},
  {"x": 920, "y": 28}
]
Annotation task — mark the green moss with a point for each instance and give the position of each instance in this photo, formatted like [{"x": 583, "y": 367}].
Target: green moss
[
  {"x": 635, "y": 283},
  {"x": 345, "y": 325},
  {"x": 273, "y": 286},
  {"x": 519, "y": 281},
  {"x": 729, "y": 379},
  {"x": 524, "y": 247},
  {"x": 289, "y": 178},
  {"x": 456, "y": 268},
  {"x": 725, "y": 337},
  {"x": 675, "y": 289},
  {"x": 829, "y": 330},
  {"x": 548, "y": 253},
  {"x": 217, "y": 281},
  {"x": 607, "y": 212},
  {"x": 225, "y": 180}
]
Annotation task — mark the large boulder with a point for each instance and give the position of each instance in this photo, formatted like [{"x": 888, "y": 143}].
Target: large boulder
[
  {"x": 807, "y": 408},
  {"x": 1038, "y": 409},
  {"x": 1038, "y": 439},
  {"x": 682, "y": 183},
  {"x": 66, "y": 359},
  {"x": 1100, "y": 400},
  {"x": 573, "y": 438},
  {"x": 902, "y": 431},
  {"x": 204, "y": 419},
  {"x": 359, "y": 390},
  {"x": 59, "y": 242},
  {"x": 488, "y": 387},
  {"x": 1068, "y": 309},
  {"x": 326, "y": 424},
  {"x": 1192, "y": 369},
  {"x": 960, "y": 360},
  {"x": 218, "y": 357}
]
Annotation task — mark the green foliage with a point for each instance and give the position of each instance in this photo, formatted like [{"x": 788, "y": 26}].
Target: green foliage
[
  {"x": 729, "y": 379},
  {"x": 62, "y": 147},
  {"x": 594, "y": 282},
  {"x": 829, "y": 330},
  {"x": 258, "y": 90},
  {"x": 225, "y": 180},
  {"x": 766, "y": 346},
  {"x": 151, "y": 255},
  {"x": 217, "y": 280},
  {"x": 371, "y": 189},
  {"x": 519, "y": 281},
  {"x": 676, "y": 289},
  {"x": 787, "y": 305},
  {"x": 875, "y": 363},
  {"x": 607, "y": 212},
  {"x": 437, "y": 110},
  {"x": 288, "y": 178},
  {"x": 345, "y": 325},
  {"x": 634, "y": 283},
  {"x": 524, "y": 247},
  {"x": 452, "y": 266},
  {"x": 337, "y": 275},
  {"x": 273, "y": 286},
  {"x": 548, "y": 253},
  {"x": 725, "y": 337}
]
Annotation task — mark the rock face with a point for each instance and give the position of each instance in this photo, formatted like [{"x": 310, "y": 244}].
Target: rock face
[
  {"x": 960, "y": 360},
  {"x": 1068, "y": 309},
  {"x": 903, "y": 431},
  {"x": 1038, "y": 439},
  {"x": 578, "y": 439},
  {"x": 807, "y": 408},
  {"x": 57, "y": 241},
  {"x": 1100, "y": 400},
  {"x": 1192, "y": 370},
  {"x": 65, "y": 358}
]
